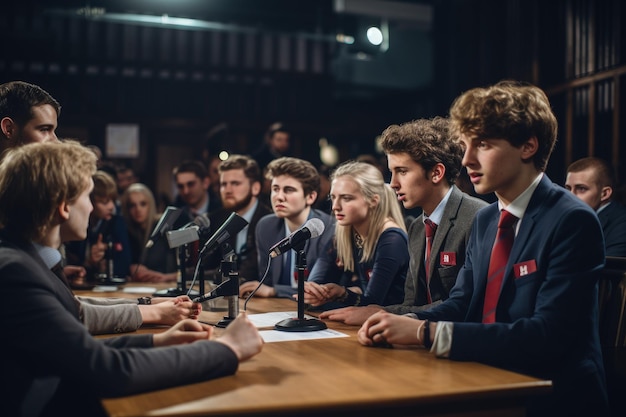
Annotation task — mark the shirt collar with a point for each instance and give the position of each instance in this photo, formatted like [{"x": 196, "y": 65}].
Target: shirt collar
[
  {"x": 203, "y": 209},
  {"x": 602, "y": 207},
  {"x": 50, "y": 256},
  {"x": 437, "y": 213},
  {"x": 520, "y": 204},
  {"x": 248, "y": 214}
]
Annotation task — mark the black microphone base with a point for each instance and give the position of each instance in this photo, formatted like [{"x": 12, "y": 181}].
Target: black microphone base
[
  {"x": 175, "y": 292},
  {"x": 224, "y": 322},
  {"x": 300, "y": 325},
  {"x": 103, "y": 279}
]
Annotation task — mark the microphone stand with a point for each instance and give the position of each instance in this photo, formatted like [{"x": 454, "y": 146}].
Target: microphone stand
[
  {"x": 300, "y": 323},
  {"x": 108, "y": 277},
  {"x": 230, "y": 277},
  {"x": 181, "y": 281}
]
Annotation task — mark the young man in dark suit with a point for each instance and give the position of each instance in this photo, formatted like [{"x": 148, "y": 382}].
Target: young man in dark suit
[
  {"x": 424, "y": 160},
  {"x": 194, "y": 191},
  {"x": 240, "y": 185},
  {"x": 28, "y": 114},
  {"x": 531, "y": 304},
  {"x": 295, "y": 184},
  {"x": 591, "y": 180}
]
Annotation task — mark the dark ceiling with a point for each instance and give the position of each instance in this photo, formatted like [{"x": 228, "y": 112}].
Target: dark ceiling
[
  {"x": 405, "y": 62},
  {"x": 287, "y": 16}
]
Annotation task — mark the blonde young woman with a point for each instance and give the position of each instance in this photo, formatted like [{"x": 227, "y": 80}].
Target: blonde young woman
[
  {"x": 371, "y": 257},
  {"x": 158, "y": 263}
]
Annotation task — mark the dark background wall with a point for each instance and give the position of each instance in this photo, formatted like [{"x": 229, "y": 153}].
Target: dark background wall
[{"x": 250, "y": 63}]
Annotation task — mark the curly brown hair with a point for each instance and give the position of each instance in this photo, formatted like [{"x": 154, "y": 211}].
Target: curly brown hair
[
  {"x": 510, "y": 110},
  {"x": 428, "y": 142}
]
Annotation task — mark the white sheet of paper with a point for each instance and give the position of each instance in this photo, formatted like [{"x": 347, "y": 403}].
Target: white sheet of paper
[
  {"x": 270, "y": 319},
  {"x": 104, "y": 288},
  {"x": 139, "y": 290},
  {"x": 270, "y": 336}
]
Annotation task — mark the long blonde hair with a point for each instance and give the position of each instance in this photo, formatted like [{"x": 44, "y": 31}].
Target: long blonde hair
[
  {"x": 140, "y": 231},
  {"x": 371, "y": 183}
]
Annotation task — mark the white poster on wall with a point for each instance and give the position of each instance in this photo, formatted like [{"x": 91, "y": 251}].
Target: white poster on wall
[{"x": 122, "y": 141}]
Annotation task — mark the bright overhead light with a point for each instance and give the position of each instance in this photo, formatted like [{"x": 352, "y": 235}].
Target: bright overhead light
[{"x": 375, "y": 35}]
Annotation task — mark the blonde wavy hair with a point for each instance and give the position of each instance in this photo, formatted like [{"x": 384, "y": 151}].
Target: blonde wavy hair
[
  {"x": 141, "y": 231},
  {"x": 371, "y": 183}
]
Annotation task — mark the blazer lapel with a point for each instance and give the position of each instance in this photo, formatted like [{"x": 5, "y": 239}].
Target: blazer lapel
[
  {"x": 443, "y": 228},
  {"x": 526, "y": 228}
]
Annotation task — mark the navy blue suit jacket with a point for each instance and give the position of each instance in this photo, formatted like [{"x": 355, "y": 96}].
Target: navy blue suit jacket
[
  {"x": 613, "y": 220},
  {"x": 547, "y": 313},
  {"x": 270, "y": 230}
]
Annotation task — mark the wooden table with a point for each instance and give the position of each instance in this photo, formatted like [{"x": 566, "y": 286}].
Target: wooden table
[{"x": 339, "y": 377}]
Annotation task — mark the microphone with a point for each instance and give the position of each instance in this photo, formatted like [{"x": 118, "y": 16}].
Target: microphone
[
  {"x": 233, "y": 225},
  {"x": 219, "y": 291},
  {"x": 311, "y": 229},
  {"x": 190, "y": 232},
  {"x": 165, "y": 223}
]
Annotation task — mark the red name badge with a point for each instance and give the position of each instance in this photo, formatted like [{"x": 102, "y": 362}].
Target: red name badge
[
  {"x": 524, "y": 268},
  {"x": 447, "y": 258}
]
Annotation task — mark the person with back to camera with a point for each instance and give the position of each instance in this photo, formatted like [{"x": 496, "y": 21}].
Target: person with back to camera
[
  {"x": 51, "y": 364},
  {"x": 424, "y": 159},
  {"x": 28, "y": 114},
  {"x": 370, "y": 239},
  {"x": 526, "y": 301}
]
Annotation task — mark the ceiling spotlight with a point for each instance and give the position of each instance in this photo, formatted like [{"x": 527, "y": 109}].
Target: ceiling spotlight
[{"x": 375, "y": 35}]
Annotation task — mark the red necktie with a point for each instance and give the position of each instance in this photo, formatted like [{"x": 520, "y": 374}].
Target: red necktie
[
  {"x": 497, "y": 264},
  {"x": 430, "y": 229}
]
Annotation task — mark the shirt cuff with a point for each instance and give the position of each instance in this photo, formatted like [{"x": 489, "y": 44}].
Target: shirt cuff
[{"x": 443, "y": 339}]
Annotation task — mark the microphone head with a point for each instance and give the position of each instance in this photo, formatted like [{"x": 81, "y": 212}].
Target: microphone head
[
  {"x": 315, "y": 226},
  {"x": 202, "y": 220}
]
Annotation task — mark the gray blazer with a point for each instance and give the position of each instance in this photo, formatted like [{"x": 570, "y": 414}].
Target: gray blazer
[
  {"x": 270, "y": 230},
  {"x": 105, "y": 315},
  {"x": 109, "y": 315},
  {"x": 448, "y": 246}
]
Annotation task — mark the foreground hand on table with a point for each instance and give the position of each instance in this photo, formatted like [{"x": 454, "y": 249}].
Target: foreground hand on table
[
  {"x": 167, "y": 310},
  {"x": 242, "y": 337},
  {"x": 354, "y": 316},
  {"x": 384, "y": 327},
  {"x": 185, "y": 331}
]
